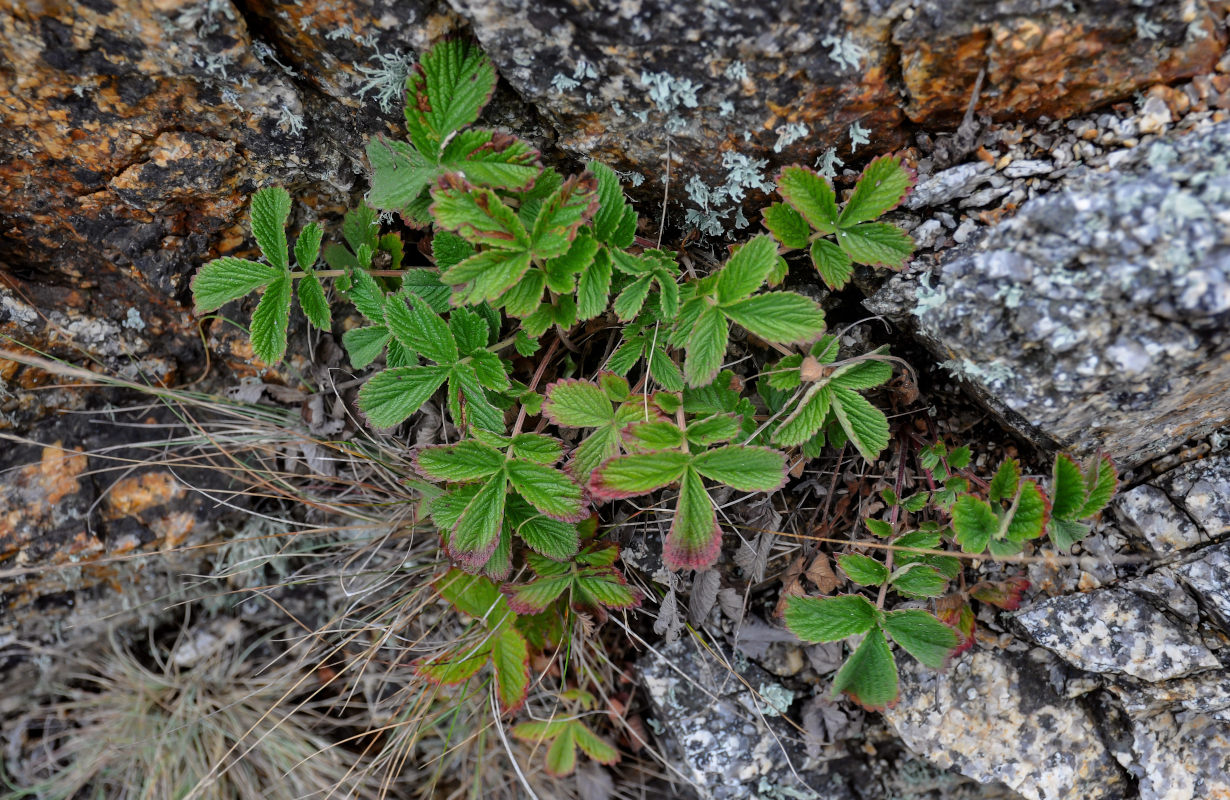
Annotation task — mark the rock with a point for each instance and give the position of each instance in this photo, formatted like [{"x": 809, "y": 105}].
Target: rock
[
  {"x": 1114, "y": 631},
  {"x": 1182, "y": 755},
  {"x": 949, "y": 184},
  {"x": 1089, "y": 320},
  {"x": 1149, "y": 512},
  {"x": 1203, "y": 487},
  {"x": 1209, "y": 579},
  {"x": 1163, "y": 586},
  {"x": 992, "y": 718},
  {"x": 724, "y": 741}
]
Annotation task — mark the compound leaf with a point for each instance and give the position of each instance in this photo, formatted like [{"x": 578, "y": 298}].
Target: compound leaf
[
  {"x": 225, "y": 279},
  {"x": 922, "y": 635},
  {"x": 811, "y": 195},
  {"x": 883, "y": 184}
]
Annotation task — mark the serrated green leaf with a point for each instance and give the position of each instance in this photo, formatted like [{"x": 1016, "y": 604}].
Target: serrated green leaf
[
  {"x": 474, "y": 596},
  {"x": 364, "y": 345},
  {"x": 473, "y": 538},
  {"x": 1066, "y": 532},
  {"x": 924, "y": 540},
  {"x": 488, "y": 275},
  {"x": 596, "y": 448},
  {"x": 960, "y": 457},
  {"x": 832, "y": 263},
  {"x": 869, "y": 675},
  {"x": 313, "y": 301},
  {"x": 537, "y": 447},
  {"x": 787, "y": 225},
  {"x": 490, "y": 370},
  {"x": 743, "y": 467},
  {"x": 782, "y": 317},
  {"x": 915, "y": 502},
  {"x": 694, "y": 539},
  {"x": 490, "y": 159},
  {"x": 610, "y": 220},
  {"x": 829, "y": 619},
  {"x": 629, "y": 476},
  {"x": 562, "y": 754},
  {"x": 469, "y": 331},
  {"x": 1005, "y": 482},
  {"x": 446, "y": 90},
  {"x": 271, "y": 319},
  {"x": 594, "y": 287},
  {"x": 862, "y": 570},
  {"x": 806, "y": 419},
  {"x": 604, "y": 587},
  {"x": 552, "y": 538},
  {"x": 922, "y": 635},
  {"x": 1028, "y": 515},
  {"x": 465, "y": 461},
  {"x": 578, "y": 404},
  {"x": 225, "y": 279},
  {"x": 713, "y": 430},
  {"x": 562, "y": 213},
  {"x": 663, "y": 370},
  {"x": 454, "y": 666},
  {"x": 400, "y": 174},
  {"x": 468, "y": 404},
  {"x": 865, "y": 374},
  {"x": 865, "y": 424},
  {"x": 420, "y": 329},
  {"x": 361, "y": 226},
  {"x": 536, "y": 596},
  {"x": 974, "y": 523},
  {"x": 881, "y": 187},
  {"x": 1067, "y": 488},
  {"x": 525, "y": 344},
  {"x": 919, "y": 580},
  {"x": 876, "y": 244},
  {"x": 1101, "y": 480},
  {"x": 307, "y": 246},
  {"x": 746, "y": 270},
  {"x": 524, "y": 297},
  {"x": 448, "y": 250},
  {"x": 399, "y": 356},
  {"x": 548, "y": 490},
  {"x": 879, "y": 527},
  {"x": 706, "y": 347},
  {"x": 391, "y": 396},
  {"x": 594, "y": 746},
  {"x": 367, "y": 296},
  {"x": 628, "y": 303},
  {"x": 269, "y": 211},
  {"x": 653, "y": 435},
  {"x": 511, "y": 658},
  {"x": 811, "y": 195}
]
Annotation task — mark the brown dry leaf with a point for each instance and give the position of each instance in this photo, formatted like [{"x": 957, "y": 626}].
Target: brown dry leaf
[
  {"x": 821, "y": 574},
  {"x": 703, "y": 596},
  {"x": 792, "y": 584}
]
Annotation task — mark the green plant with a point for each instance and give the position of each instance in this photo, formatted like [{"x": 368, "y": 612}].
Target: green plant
[
  {"x": 1013, "y": 511},
  {"x": 523, "y": 256}
]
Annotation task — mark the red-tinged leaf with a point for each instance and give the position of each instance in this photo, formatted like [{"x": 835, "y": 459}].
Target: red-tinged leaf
[
  {"x": 604, "y": 587},
  {"x": 594, "y": 746},
  {"x": 577, "y": 404},
  {"x": 954, "y": 611},
  {"x": 883, "y": 185},
  {"x": 511, "y": 658},
  {"x": 829, "y": 619},
  {"x": 1002, "y": 594},
  {"x": 921, "y": 635},
  {"x": 744, "y": 467},
  {"x": 476, "y": 534},
  {"x": 695, "y": 539},
  {"x": 547, "y": 489},
  {"x": 974, "y": 523},
  {"x": 535, "y": 597},
  {"x": 1029, "y": 514},
  {"x": 458, "y": 463},
  {"x": 1101, "y": 481},
  {"x": 473, "y": 595},
  {"x": 1068, "y": 490},
  {"x": 562, "y": 213},
  {"x": 630, "y": 476},
  {"x": 810, "y": 194},
  {"x": 562, "y": 755},
  {"x": 453, "y": 667},
  {"x": 1006, "y": 481}
]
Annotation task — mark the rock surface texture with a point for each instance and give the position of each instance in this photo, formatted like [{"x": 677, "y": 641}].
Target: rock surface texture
[{"x": 1094, "y": 319}]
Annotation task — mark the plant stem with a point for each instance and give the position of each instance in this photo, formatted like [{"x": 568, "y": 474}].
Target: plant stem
[
  {"x": 542, "y": 366},
  {"x": 888, "y": 560}
]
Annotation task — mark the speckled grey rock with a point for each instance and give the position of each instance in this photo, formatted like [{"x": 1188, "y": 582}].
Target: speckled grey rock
[
  {"x": 1209, "y": 578},
  {"x": 991, "y": 717},
  {"x": 1203, "y": 487},
  {"x": 1095, "y": 318},
  {"x": 1115, "y": 631},
  {"x": 725, "y": 739},
  {"x": 1183, "y": 755},
  {"x": 1149, "y": 512},
  {"x": 1164, "y": 587}
]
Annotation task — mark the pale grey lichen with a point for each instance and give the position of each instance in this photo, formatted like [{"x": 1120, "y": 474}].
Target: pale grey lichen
[
  {"x": 845, "y": 51},
  {"x": 668, "y": 92},
  {"x": 726, "y": 108},
  {"x": 133, "y": 320},
  {"x": 736, "y": 71},
  {"x": 562, "y": 83},
  {"x": 1146, "y": 28},
  {"x": 858, "y": 135},
  {"x": 387, "y": 79},
  {"x": 828, "y": 162},
  {"x": 789, "y": 134}
]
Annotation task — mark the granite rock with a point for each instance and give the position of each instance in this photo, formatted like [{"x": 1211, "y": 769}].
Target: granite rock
[
  {"x": 1117, "y": 632},
  {"x": 1149, "y": 512},
  {"x": 1092, "y": 320},
  {"x": 992, "y": 716},
  {"x": 1208, "y": 577},
  {"x": 1183, "y": 755},
  {"x": 1203, "y": 488}
]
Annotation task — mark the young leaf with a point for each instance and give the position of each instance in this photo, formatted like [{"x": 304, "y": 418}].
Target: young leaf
[
  {"x": 536, "y": 596},
  {"x": 974, "y": 523},
  {"x": 922, "y": 636},
  {"x": 862, "y": 570},
  {"x": 1068, "y": 488},
  {"x": 313, "y": 301},
  {"x": 694, "y": 539},
  {"x": 1004, "y": 484},
  {"x": 919, "y": 580},
  {"x": 706, "y": 347},
  {"x": 1028, "y": 514},
  {"x": 615, "y": 220},
  {"x": 869, "y": 675},
  {"x": 468, "y": 460},
  {"x": 865, "y": 424},
  {"x": 269, "y": 211},
  {"x": 225, "y": 279},
  {"x": 307, "y": 246},
  {"x": 364, "y": 345},
  {"x": 782, "y": 317},
  {"x": 746, "y": 270},
  {"x": 547, "y": 489},
  {"x": 1101, "y": 480},
  {"x": 445, "y": 92},
  {"x": 832, "y": 263},
  {"x": 271, "y": 318},
  {"x": 882, "y": 186},
  {"x": 829, "y": 619},
  {"x": 787, "y": 226},
  {"x": 811, "y": 195},
  {"x": 876, "y": 244}
]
